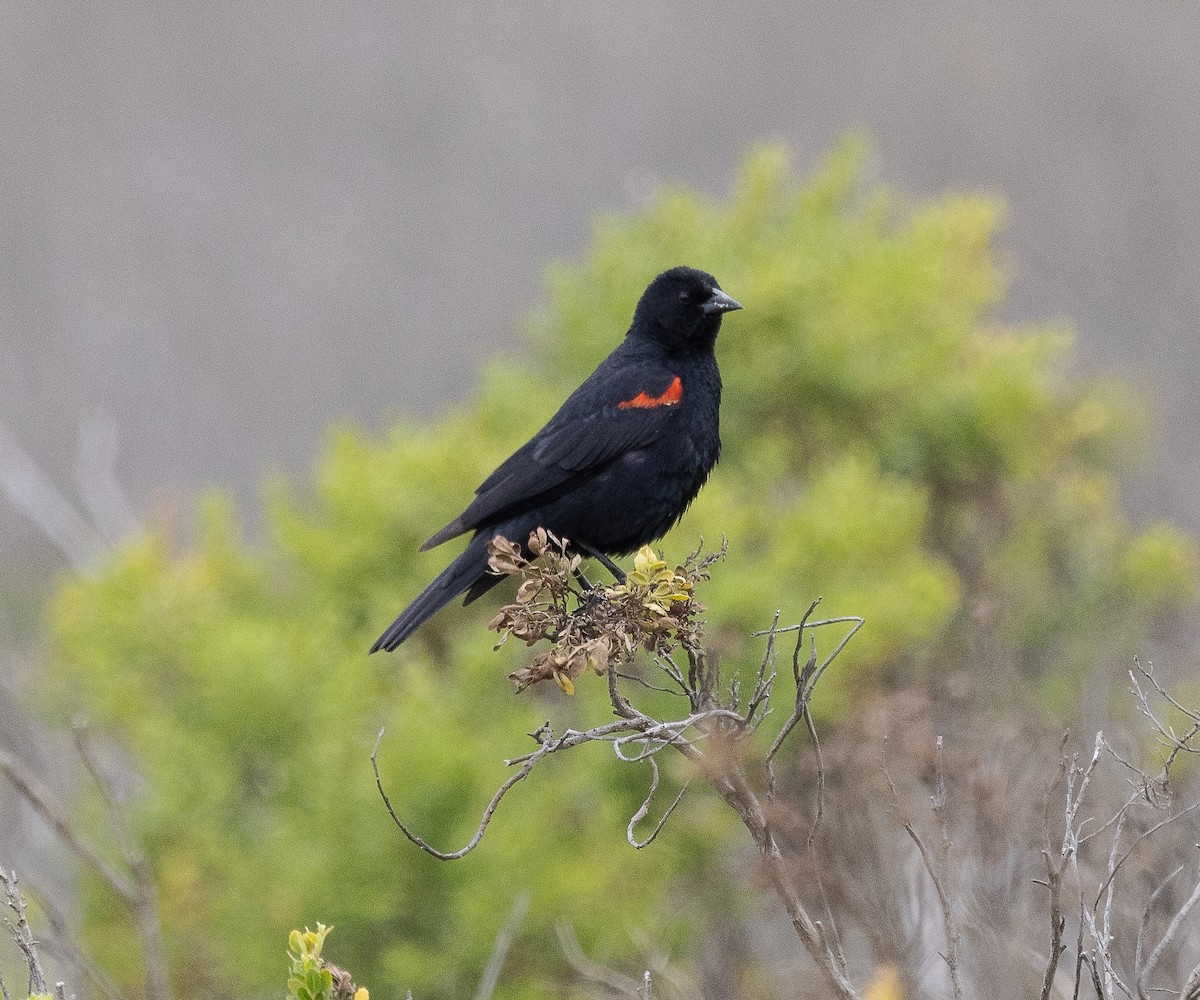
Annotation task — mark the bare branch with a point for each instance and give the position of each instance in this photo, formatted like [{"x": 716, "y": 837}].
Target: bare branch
[
  {"x": 1178, "y": 744},
  {"x": 96, "y": 473},
  {"x": 34, "y": 494},
  {"x": 42, "y": 802},
  {"x": 1138, "y": 840},
  {"x": 1104, "y": 939},
  {"x": 593, "y": 971},
  {"x": 526, "y": 769},
  {"x": 137, "y": 890},
  {"x": 528, "y": 762},
  {"x": 650, "y": 687},
  {"x": 667, "y": 666},
  {"x": 948, "y": 921},
  {"x": 22, "y": 933},
  {"x": 1191, "y": 989},
  {"x": 1102, "y": 793},
  {"x": 504, "y": 940},
  {"x": 800, "y": 626},
  {"x": 1067, "y": 855},
  {"x": 61, "y": 944},
  {"x": 1148, "y": 673},
  {"x": 801, "y": 700},
  {"x": 951, "y": 924},
  {"x": 1058, "y": 922},
  {"x": 1172, "y": 930},
  {"x": 765, "y": 681},
  {"x": 145, "y": 903},
  {"x": 645, "y": 808},
  {"x": 1139, "y": 970}
]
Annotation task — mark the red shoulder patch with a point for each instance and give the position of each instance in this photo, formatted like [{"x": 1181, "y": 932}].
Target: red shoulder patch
[{"x": 641, "y": 401}]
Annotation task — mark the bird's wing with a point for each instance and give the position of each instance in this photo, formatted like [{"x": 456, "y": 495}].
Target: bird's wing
[{"x": 613, "y": 413}]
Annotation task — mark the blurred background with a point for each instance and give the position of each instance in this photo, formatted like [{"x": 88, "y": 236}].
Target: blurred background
[{"x": 229, "y": 228}]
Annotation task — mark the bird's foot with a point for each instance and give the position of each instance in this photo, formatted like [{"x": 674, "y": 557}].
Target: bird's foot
[{"x": 608, "y": 564}]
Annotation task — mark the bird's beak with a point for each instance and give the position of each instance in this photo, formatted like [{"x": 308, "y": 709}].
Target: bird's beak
[{"x": 719, "y": 302}]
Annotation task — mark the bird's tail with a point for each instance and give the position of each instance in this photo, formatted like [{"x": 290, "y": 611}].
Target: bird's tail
[{"x": 468, "y": 572}]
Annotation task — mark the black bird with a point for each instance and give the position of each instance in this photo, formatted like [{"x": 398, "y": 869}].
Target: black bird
[{"x": 619, "y": 463}]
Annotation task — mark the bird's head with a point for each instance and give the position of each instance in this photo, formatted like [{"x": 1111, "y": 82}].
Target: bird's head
[{"x": 682, "y": 310}]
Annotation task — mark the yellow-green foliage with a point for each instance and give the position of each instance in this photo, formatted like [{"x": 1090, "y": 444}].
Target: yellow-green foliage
[
  {"x": 309, "y": 976},
  {"x": 885, "y": 446}
]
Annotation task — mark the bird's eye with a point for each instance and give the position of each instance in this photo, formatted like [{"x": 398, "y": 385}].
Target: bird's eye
[{"x": 685, "y": 296}]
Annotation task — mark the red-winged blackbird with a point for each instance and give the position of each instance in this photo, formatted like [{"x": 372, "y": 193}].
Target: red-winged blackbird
[{"x": 619, "y": 463}]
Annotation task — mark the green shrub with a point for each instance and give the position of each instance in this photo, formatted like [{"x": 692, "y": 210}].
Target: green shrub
[{"x": 887, "y": 446}]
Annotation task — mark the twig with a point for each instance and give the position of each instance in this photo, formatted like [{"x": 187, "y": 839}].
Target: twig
[
  {"x": 765, "y": 681},
  {"x": 528, "y": 762},
  {"x": 1172, "y": 930},
  {"x": 667, "y": 666},
  {"x": 69, "y": 952},
  {"x": 1106, "y": 928},
  {"x": 645, "y": 808},
  {"x": 145, "y": 902},
  {"x": 801, "y": 703},
  {"x": 939, "y": 811},
  {"x": 944, "y": 901},
  {"x": 504, "y": 940},
  {"x": 800, "y": 626},
  {"x": 1179, "y": 744},
  {"x": 61, "y": 945},
  {"x": 1054, "y": 874},
  {"x": 1079, "y": 955},
  {"x": 1139, "y": 973},
  {"x": 22, "y": 933},
  {"x": 949, "y": 923},
  {"x": 525, "y": 771},
  {"x": 1148, "y": 673},
  {"x": 1138, "y": 840},
  {"x": 1095, "y": 976},
  {"x": 590, "y": 970},
  {"x": 1191, "y": 989},
  {"x": 138, "y": 892},
  {"x": 646, "y": 684},
  {"x": 1058, "y": 922},
  {"x": 35, "y": 495},
  {"x": 42, "y": 802}
]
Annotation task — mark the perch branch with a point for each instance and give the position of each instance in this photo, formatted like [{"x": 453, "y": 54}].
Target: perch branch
[{"x": 603, "y": 633}]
